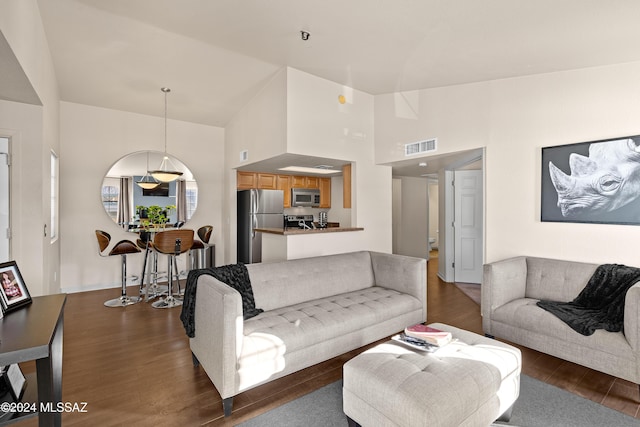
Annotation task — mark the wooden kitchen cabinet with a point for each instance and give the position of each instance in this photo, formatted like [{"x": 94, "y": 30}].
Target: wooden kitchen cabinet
[
  {"x": 266, "y": 181},
  {"x": 346, "y": 190},
  {"x": 283, "y": 182},
  {"x": 313, "y": 182},
  {"x": 298, "y": 181},
  {"x": 247, "y": 180},
  {"x": 304, "y": 181},
  {"x": 325, "y": 192},
  {"x": 263, "y": 181}
]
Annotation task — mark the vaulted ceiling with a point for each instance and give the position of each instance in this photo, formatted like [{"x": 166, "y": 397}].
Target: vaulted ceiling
[{"x": 215, "y": 54}]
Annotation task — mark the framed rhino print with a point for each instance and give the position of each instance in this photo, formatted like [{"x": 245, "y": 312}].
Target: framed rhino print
[{"x": 594, "y": 182}]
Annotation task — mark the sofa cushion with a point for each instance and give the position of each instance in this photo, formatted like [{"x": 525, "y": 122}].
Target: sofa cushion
[
  {"x": 286, "y": 283},
  {"x": 288, "y": 329},
  {"x": 556, "y": 280},
  {"x": 525, "y": 314}
]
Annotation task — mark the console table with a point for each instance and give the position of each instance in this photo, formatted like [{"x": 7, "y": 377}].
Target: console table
[{"x": 34, "y": 332}]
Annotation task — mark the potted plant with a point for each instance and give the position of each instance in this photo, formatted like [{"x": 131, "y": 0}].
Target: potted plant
[
  {"x": 156, "y": 215},
  {"x": 169, "y": 209},
  {"x": 141, "y": 211}
]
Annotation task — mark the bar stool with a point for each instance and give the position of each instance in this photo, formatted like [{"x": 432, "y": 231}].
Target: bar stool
[
  {"x": 172, "y": 243},
  {"x": 122, "y": 248},
  {"x": 198, "y": 253},
  {"x": 151, "y": 275}
]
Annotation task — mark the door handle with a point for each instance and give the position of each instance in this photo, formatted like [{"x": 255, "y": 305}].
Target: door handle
[{"x": 254, "y": 224}]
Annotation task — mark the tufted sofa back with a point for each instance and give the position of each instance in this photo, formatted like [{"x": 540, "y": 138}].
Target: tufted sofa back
[
  {"x": 556, "y": 280},
  {"x": 282, "y": 284}
]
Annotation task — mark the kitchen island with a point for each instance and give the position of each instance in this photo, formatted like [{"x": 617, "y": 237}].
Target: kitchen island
[{"x": 280, "y": 244}]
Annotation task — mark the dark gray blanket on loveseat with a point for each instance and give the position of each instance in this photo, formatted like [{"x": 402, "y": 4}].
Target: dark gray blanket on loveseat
[{"x": 600, "y": 305}]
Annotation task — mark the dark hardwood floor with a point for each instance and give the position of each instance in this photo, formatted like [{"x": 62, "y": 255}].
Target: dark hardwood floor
[{"x": 133, "y": 366}]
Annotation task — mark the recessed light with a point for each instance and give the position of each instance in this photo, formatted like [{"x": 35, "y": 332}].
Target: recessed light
[
  {"x": 422, "y": 164},
  {"x": 309, "y": 170}
]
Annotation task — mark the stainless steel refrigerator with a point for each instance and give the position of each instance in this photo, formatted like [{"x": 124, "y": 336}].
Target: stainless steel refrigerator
[{"x": 257, "y": 209}]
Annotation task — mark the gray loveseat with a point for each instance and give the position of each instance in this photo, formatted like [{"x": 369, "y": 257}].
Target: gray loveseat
[
  {"x": 510, "y": 290},
  {"x": 314, "y": 309}
]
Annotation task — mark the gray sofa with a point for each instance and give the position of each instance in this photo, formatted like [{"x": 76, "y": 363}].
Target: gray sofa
[
  {"x": 510, "y": 290},
  {"x": 314, "y": 309}
]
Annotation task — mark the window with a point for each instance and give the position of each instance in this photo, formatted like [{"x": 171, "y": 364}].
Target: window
[
  {"x": 192, "y": 200},
  {"x": 5, "y": 200},
  {"x": 110, "y": 194},
  {"x": 55, "y": 187}
]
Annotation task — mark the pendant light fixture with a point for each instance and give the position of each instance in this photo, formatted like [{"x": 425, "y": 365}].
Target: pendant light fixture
[
  {"x": 164, "y": 173},
  {"x": 147, "y": 182}
]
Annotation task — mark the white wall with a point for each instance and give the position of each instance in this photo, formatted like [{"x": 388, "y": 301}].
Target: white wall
[
  {"x": 259, "y": 128},
  {"x": 338, "y": 213},
  {"x": 514, "y": 119},
  {"x": 411, "y": 216},
  {"x": 318, "y": 125},
  {"x": 93, "y": 139},
  {"x": 34, "y": 133},
  {"x": 306, "y": 108}
]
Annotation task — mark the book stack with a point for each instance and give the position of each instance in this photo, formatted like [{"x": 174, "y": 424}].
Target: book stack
[{"x": 428, "y": 334}]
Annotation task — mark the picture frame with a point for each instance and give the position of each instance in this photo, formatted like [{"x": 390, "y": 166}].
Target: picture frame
[
  {"x": 13, "y": 291},
  {"x": 592, "y": 182}
]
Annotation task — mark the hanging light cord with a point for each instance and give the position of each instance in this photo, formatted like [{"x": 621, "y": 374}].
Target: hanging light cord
[
  {"x": 163, "y": 173},
  {"x": 165, "y": 90}
]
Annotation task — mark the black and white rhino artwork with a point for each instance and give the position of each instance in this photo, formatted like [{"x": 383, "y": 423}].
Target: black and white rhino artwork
[{"x": 599, "y": 185}]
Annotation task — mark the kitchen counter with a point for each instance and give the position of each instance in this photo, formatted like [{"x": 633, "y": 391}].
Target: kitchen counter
[
  {"x": 283, "y": 244},
  {"x": 295, "y": 231}
]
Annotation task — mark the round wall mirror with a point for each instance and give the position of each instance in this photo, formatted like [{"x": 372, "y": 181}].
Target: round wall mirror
[{"x": 132, "y": 207}]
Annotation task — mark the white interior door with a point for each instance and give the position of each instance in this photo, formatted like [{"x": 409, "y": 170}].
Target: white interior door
[
  {"x": 468, "y": 226},
  {"x": 4, "y": 200}
]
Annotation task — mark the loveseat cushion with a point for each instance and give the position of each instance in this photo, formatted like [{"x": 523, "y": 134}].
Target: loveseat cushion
[
  {"x": 556, "y": 280},
  {"x": 525, "y": 315},
  {"x": 298, "y": 326}
]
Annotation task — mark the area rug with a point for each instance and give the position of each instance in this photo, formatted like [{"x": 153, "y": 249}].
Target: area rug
[
  {"x": 472, "y": 290},
  {"x": 539, "y": 404}
]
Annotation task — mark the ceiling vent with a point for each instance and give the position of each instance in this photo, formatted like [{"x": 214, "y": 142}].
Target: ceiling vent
[{"x": 421, "y": 147}]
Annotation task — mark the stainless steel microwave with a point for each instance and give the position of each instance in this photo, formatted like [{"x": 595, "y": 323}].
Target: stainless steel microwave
[{"x": 309, "y": 197}]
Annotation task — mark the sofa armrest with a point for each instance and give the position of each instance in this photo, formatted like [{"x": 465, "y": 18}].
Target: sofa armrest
[
  {"x": 502, "y": 282},
  {"x": 402, "y": 273},
  {"x": 218, "y": 332},
  {"x": 632, "y": 317}
]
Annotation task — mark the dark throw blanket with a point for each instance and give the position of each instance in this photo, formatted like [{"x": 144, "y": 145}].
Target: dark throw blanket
[
  {"x": 600, "y": 305},
  {"x": 234, "y": 275}
]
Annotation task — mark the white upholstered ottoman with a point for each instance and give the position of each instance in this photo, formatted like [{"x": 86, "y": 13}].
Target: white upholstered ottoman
[{"x": 469, "y": 382}]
